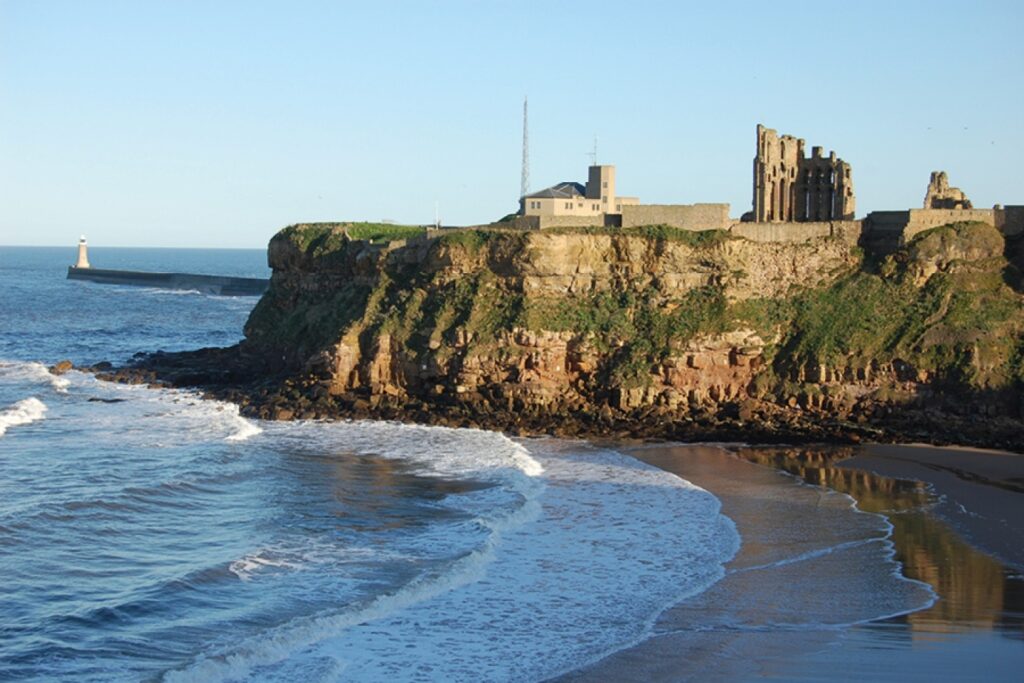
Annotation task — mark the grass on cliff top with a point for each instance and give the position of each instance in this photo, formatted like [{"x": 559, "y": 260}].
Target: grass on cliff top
[
  {"x": 668, "y": 233},
  {"x": 471, "y": 240},
  {"x": 970, "y": 232},
  {"x": 324, "y": 237},
  {"x": 383, "y": 232}
]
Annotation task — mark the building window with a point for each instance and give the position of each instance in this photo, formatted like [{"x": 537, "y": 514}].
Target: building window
[
  {"x": 580, "y": 205},
  {"x": 618, "y": 207},
  {"x": 597, "y": 207},
  {"x": 568, "y": 205},
  {"x": 605, "y": 184}
]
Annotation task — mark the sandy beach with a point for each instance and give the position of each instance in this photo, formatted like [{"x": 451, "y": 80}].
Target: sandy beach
[{"x": 785, "y": 613}]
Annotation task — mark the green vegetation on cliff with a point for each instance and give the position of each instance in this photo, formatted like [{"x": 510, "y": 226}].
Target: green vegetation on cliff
[
  {"x": 320, "y": 239},
  {"x": 940, "y": 305},
  {"x": 667, "y": 233}
]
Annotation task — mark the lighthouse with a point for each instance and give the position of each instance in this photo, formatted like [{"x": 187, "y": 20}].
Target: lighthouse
[{"x": 83, "y": 254}]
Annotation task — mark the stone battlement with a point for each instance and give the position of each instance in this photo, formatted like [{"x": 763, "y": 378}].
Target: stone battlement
[{"x": 685, "y": 216}]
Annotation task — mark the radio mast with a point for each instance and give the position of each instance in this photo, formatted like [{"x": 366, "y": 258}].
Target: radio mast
[{"x": 524, "y": 182}]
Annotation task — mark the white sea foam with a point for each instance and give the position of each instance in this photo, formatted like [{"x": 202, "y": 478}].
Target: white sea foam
[
  {"x": 244, "y": 428},
  {"x": 23, "y": 412},
  {"x": 189, "y": 416},
  {"x": 600, "y": 545},
  {"x": 212, "y": 418},
  {"x": 435, "y": 451},
  {"x": 35, "y": 373},
  {"x": 135, "y": 290},
  {"x": 310, "y": 555},
  {"x": 245, "y": 567}
]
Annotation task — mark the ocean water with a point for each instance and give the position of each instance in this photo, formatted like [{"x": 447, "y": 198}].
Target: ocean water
[{"x": 152, "y": 535}]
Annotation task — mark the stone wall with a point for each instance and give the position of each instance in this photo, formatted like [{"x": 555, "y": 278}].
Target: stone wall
[
  {"x": 685, "y": 216},
  {"x": 924, "y": 219},
  {"x": 1010, "y": 219},
  {"x": 571, "y": 221},
  {"x": 848, "y": 231},
  {"x": 542, "y": 222},
  {"x": 886, "y": 231}
]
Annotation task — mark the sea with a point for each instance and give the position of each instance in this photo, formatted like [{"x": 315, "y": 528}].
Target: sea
[{"x": 152, "y": 535}]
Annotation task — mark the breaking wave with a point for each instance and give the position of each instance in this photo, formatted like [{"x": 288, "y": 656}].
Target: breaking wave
[
  {"x": 35, "y": 373},
  {"x": 23, "y": 412}
]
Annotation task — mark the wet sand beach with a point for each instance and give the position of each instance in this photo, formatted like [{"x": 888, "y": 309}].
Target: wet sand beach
[
  {"x": 981, "y": 491},
  {"x": 812, "y": 594}
]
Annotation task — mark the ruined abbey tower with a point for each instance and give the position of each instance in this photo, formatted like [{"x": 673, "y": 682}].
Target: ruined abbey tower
[
  {"x": 941, "y": 196},
  {"x": 790, "y": 187}
]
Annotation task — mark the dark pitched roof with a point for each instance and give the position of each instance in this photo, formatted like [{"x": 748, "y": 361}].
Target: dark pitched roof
[{"x": 561, "y": 191}]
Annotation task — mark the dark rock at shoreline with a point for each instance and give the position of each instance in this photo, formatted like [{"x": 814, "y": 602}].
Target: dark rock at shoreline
[
  {"x": 228, "y": 374},
  {"x": 61, "y": 367}
]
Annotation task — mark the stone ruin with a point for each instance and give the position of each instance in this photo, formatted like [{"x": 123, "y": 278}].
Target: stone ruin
[
  {"x": 941, "y": 196},
  {"x": 790, "y": 187}
]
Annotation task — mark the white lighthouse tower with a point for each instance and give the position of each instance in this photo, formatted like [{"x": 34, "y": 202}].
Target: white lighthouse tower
[{"x": 83, "y": 254}]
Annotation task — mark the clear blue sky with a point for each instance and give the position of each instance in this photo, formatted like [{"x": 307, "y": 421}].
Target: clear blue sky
[{"x": 182, "y": 123}]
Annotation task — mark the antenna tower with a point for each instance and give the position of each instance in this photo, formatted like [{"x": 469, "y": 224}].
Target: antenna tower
[{"x": 524, "y": 181}]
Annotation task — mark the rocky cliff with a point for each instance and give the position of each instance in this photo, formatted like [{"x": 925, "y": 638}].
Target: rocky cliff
[{"x": 647, "y": 330}]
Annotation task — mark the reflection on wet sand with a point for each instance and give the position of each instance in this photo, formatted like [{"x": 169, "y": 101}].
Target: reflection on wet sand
[{"x": 976, "y": 591}]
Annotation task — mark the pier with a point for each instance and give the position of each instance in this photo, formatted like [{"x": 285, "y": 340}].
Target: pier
[{"x": 224, "y": 285}]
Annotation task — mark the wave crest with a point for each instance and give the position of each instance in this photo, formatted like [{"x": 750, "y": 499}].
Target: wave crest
[
  {"x": 23, "y": 412},
  {"x": 37, "y": 373}
]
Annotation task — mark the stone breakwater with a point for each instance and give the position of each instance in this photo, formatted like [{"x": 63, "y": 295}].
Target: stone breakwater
[{"x": 650, "y": 332}]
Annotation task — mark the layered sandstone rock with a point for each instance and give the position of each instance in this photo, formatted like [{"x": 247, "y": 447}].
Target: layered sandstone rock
[{"x": 646, "y": 320}]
